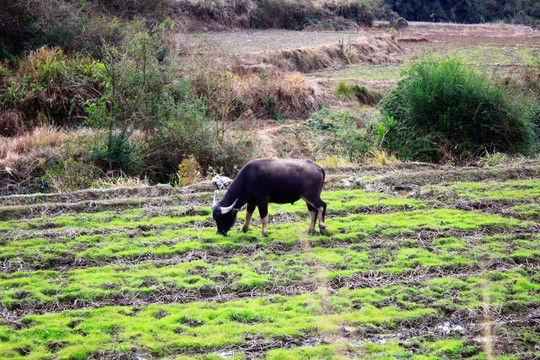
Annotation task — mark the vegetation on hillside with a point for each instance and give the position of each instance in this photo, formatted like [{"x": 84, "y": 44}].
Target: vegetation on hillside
[
  {"x": 467, "y": 11},
  {"x": 132, "y": 88},
  {"x": 93, "y": 89},
  {"x": 84, "y": 25}
]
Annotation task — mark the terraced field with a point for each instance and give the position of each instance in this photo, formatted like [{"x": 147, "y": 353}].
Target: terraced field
[
  {"x": 423, "y": 262},
  {"x": 498, "y": 49}
]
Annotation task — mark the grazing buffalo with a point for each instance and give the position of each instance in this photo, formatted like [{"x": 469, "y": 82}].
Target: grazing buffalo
[{"x": 264, "y": 181}]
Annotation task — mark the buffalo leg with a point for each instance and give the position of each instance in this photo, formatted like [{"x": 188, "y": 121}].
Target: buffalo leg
[
  {"x": 313, "y": 212},
  {"x": 322, "y": 214},
  {"x": 317, "y": 208},
  {"x": 249, "y": 212},
  {"x": 263, "y": 211}
]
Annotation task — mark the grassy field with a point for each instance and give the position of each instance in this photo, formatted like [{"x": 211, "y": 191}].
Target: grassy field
[{"x": 422, "y": 263}]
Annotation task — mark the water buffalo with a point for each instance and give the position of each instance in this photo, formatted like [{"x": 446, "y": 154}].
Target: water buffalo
[{"x": 264, "y": 181}]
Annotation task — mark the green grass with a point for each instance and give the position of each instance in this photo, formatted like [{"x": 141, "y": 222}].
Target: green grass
[
  {"x": 383, "y": 72},
  {"x": 170, "y": 242},
  {"x": 252, "y": 272},
  {"x": 391, "y": 264},
  {"x": 488, "y": 55},
  {"x": 200, "y": 327},
  {"x": 517, "y": 191},
  {"x": 322, "y": 352}
]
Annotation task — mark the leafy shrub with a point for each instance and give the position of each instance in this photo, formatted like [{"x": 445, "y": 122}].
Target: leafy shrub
[
  {"x": 117, "y": 153},
  {"x": 186, "y": 125},
  {"x": 442, "y": 111},
  {"x": 189, "y": 171}
]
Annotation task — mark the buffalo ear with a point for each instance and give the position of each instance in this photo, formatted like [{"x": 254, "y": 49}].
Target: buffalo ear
[
  {"x": 215, "y": 195},
  {"x": 228, "y": 209}
]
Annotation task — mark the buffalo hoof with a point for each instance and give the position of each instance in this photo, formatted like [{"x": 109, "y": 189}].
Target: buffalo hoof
[
  {"x": 263, "y": 235},
  {"x": 244, "y": 230},
  {"x": 324, "y": 232},
  {"x": 312, "y": 233}
]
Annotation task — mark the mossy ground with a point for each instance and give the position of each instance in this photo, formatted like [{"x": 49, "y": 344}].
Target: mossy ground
[{"x": 421, "y": 276}]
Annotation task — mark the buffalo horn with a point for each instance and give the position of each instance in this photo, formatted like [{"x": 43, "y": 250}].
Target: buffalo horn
[
  {"x": 215, "y": 195},
  {"x": 227, "y": 209}
]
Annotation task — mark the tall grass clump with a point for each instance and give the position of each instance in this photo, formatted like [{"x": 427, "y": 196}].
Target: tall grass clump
[
  {"x": 332, "y": 132},
  {"x": 442, "y": 111},
  {"x": 360, "y": 93},
  {"x": 49, "y": 86}
]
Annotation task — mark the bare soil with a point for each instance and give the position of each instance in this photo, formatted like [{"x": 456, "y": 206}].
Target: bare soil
[{"x": 462, "y": 34}]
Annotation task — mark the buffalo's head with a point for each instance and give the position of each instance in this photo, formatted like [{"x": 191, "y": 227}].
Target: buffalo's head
[{"x": 224, "y": 216}]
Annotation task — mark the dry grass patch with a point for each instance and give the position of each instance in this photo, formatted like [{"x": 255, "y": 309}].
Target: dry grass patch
[
  {"x": 59, "y": 156},
  {"x": 11, "y": 123},
  {"x": 41, "y": 141}
]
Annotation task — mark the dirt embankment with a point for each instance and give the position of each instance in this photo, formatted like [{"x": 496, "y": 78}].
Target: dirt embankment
[{"x": 365, "y": 49}]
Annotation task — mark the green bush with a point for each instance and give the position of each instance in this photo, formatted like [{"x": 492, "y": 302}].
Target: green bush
[
  {"x": 117, "y": 153},
  {"x": 442, "y": 111}
]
